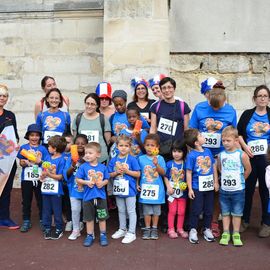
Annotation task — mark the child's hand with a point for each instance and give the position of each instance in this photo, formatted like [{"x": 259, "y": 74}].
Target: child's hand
[
  {"x": 100, "y": 184},
  {"x": 43, "y": 175},
  {"x": 25, "y": 163},
  {"x": 139, "y": 188},
  {"x": 38, "y": 161},
  {"x": 90, "y": 183},
  {"x": 170, "y": 191},
  {"x": 155, "y": 161},
  {"x": 191, "y": 194},
  {"x": 216, "y": 186}
]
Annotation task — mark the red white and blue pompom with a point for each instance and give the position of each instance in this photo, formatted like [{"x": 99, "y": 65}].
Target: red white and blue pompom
[
  {"x": 156, "y": 79},
  {"x": 136, "y": 81},
  {"x": 208, "y": 85},
  {"x": 104, "y": 89}
]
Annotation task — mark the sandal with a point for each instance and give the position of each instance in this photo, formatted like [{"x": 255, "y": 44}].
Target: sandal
[
  {"x": 172, "y": 234},
  {"x": 183, "y": 234},
  {"x": 215, "y": 229}
]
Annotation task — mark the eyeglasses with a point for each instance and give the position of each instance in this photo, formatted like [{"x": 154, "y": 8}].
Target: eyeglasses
[
  {"x": 91, "y": 104},
  {"x": 140, "y": 88},
  {"x": 262, "y": 96},
  {"x": 169, "y": 87}
]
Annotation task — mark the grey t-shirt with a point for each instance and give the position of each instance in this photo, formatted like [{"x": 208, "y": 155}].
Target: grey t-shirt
[{"x": 93, "y": 130}]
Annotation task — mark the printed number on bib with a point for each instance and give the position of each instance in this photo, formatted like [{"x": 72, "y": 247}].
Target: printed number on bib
[
  {"x": 50, "y": 186},
  {"x": 258, "y": 147},
  {"x": 230, "y": 181},
  {"x": 167, "y": 126},
  {"x": 92, "y": 135},
  {"x": 149, "y": 192},
  {"x": 120, "y": 187},
  {"x": 30, "y": 176},
  {"x": 212, "y": 140},
  {"x": 48, "y": 134},
  {"x": 177, "y": 192},
  {"x": 206, "y": 183}
]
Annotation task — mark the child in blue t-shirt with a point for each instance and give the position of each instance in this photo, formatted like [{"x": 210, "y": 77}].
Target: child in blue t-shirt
[
  {"x": 124, "y": 169},
  {"x": 52, "y": 188},
  {"x": 30, "y": 174},
  {"x": 94, "y": 177},
  {"x": 152, "y": 193},
  {"x": 201, "y": 175},
  {"x": 175, "y": 181},
  {"x": 76, "y": 192}
]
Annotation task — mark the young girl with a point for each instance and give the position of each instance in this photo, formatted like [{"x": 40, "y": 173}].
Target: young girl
[
  {"x": 174, "y": 178},
  {"x": 30, "y": 175},
  {"x": 124, "y": 169},
  {"x": 137, "y": 138},
  {"x": 54, "y": 121},
  {"x": 75, "y": 191}
]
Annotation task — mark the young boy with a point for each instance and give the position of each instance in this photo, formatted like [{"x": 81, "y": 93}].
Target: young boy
[
  {"x": 52, "y": 188},
  {"x": 202, "y": 179},
  {"x": 30, "y": 175},
  {"x": 235, "y": 167},
  {"x": 94, "y": 176},
  {"x": 152, "y": 194}
]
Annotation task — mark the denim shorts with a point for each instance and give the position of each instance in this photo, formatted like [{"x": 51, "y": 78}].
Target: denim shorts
[
  {"x": 232, "y": 202},
  {"x": 151, "y": 209}
]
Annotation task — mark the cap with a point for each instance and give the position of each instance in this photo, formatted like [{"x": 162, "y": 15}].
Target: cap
[
  {"x": 104, "y": 90},
  {"x": 119, "y": 93}
]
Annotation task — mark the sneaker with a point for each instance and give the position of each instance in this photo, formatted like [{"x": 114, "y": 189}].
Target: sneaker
[
  {"x": 57, "y": 234},
  {"x": 103, "y": 240},
  {"x": 208, "y": 235},
  {"x": 47, "y": 234},
  {"x": 154, "y": 234},
  {"x": 172, "y": 234},
  {"x": 129, "y": 237},
  {"x": 26, "y": 226},
  {"x": 225, "y": 239},
  {"x": 88, "y": 241},
  {"x": 8, "y": 224},
  {"x": 68, "y": 227},
  {"x": 81, "y": 226},
  {"x": 118, "y": 234},
  {"x": 215, "y": 229},
  {"x": 243, "y": 226},
  {"x": 237, "y": 240},
  {"x": 264, "y": 231},
  {"x": 146, "y": 234},
  {"x": 41, "y": 226},
  {"x": 193, "y": 236},
  {"x": 74, "y": 235},
  {"x": 183, "y": 234}
]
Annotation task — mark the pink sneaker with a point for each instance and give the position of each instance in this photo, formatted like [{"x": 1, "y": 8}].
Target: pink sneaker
[
  {"x": 183, "y": 234},
  {"x": 172, "y": 234}
]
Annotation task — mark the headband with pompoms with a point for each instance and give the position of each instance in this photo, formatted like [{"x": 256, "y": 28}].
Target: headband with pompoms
[
  {"x": 136, "y": 81},
  {"x": 208, "y": 85},
  {"x": 156, "y": 79}
]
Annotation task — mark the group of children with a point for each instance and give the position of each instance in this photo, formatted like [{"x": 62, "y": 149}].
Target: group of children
[{"x": 139, "y": 175}]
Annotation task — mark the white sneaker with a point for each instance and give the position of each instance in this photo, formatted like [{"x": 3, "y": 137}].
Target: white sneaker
[
  {"x": 74, "y": 235},
  {"x": 81, "y": 226},
  {"x": 193, "y": 236},
  {"x": 129, "y": 237},
  {"x": 68, "y": 227},
  {"x": 208, "y": 236},
  {"x": 118, "y": 234}
]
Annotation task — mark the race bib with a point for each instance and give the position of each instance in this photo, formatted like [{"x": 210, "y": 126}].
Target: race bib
[
  {"x": 177, "y": 192},
  {"x": 149, "y": 192},
  {"x": 29, "y": 175},
  {"x": 230, "y": 181},
  {"x": 50, "y": 186},
  {"x": 212, "y": 140},
  {"x": 206, "y": 182},
  {"x": 92, "y": 135},
  {"x": 258, "y": 147},
  {"x": 167, "y": 126},
  {"x": 120, "y": 187},
  {"x": 48, "y": 134}
]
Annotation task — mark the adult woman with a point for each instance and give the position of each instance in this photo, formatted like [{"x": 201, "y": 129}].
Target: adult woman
[
  {"x": 7, "y": 118},
  {"x": 53, "y": 121},
  {"x": 93, "y": 124},
  {"x": 104, "y": 91},
  {"x": 154, "y": 84},
  {"x": 254, "y": 131},
  {"x": 48, "y": 83},
  {"x": 140, "y": 98}
]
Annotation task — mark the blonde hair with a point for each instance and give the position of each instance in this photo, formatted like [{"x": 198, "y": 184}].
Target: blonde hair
[
  {"x": 125, "y": 138},
  {"x": 3, "y": 90},
  {"x": 93, "y": 145},
  {"x": 230, "y": 131},
  {"x": 217, "y": 97}
]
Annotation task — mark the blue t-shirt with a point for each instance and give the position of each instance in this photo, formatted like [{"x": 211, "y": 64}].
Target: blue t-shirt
[
  {"x": 57, "y": 167},
  {"x": 40, "y": 152},
  {"x": 170, "y": 111},
  {"x": 74, "y": 191},
  {"x": 258, "y": 128},
  {"x": 133, "y": 165},
  {"x": 135, "y": 147},
  {"x": 152, "y": 186},
  {"x": 119, "y": 122},
  {"x": 52, "y": 122},
  {"x": 201, "y": 164},
  {"x": 176, "y": 173},
  {"x": 211, "y": 121},
  {"x": 98, "y": 173}
]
